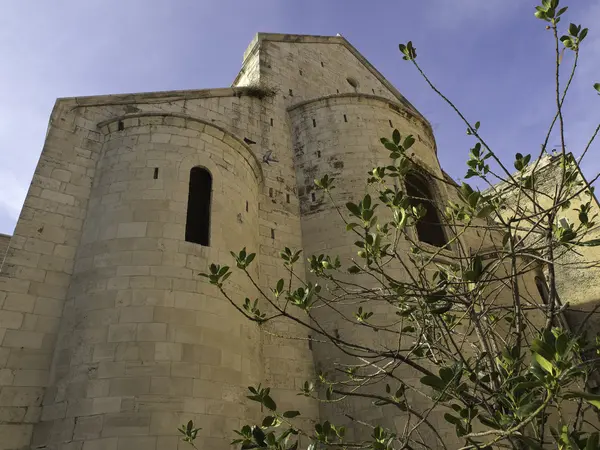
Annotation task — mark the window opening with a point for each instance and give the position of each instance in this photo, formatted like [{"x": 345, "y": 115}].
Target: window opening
[
  {"x": 197, "y": 227},
  {"x": 429, "y": 227}
]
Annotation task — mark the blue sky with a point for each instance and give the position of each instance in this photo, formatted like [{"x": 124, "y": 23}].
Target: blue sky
[{"x": 491, "y": 56}]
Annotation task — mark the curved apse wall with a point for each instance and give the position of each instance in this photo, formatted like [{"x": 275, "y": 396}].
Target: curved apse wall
[
  {"x": 340, "y": 136},
  {"x": 146, "y": 343}
]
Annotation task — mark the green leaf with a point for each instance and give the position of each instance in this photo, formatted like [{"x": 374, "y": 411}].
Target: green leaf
[
  {"x": 259, "y": 436},
  {"x": 526, "y": 410},
  {"x": 269, "y": 403},
  {"x": 353, "y": 270},
  {"x": 540, "y": 347},
  {"x": 353, "y": 208},
  {"x": 452, "y": 419},
  {"x": 446, "y": 374},
  {"x": 573, "y": 30},
  {"x": 433, "y": 381},
  {"x": 562, "y": 343},
  {"x": 396, "y": 137},
  {"x": 367, "y": 202},
  {"x": 567, "y": 41},
  {"x": 269, "y": 421},
  {"x": 291, "y": 414},
  {"x": 408, "y": 142},
  {"x": 525, "y": 386},
  {"x": 250, "y": 258},
  {"x": 485, "y": 212},
  {"x": 391, "y": 146},
  {"x": 544, "y": 363},
  {"x": 591, "y": 243},
  {"x": 488, "y": 422},
  {"x": 592, "y": 399},
  {"x": 441, "y": 309},
  {"x": 280, "y": 284},
  {"x": 597, "y": 87}
]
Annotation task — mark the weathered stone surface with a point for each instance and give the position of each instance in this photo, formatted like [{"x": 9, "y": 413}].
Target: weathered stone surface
[{"x": 100, "y": 279}]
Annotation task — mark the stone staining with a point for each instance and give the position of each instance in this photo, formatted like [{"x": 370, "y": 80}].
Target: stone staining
[{"x": 102, "y": 309}]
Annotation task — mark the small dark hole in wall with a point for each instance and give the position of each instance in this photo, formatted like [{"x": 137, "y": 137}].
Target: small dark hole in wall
[
  {"x": 121, "y": 125},
  {"x": 337, "y": 90},
  {"x": 246, "y": 205},
  {"x": 313, "y": 197},
  {"x": 287, "y": 198},
  {"x": 270, "y": 192},
  {"x": 271, "y": 122},
  {"x": 391, "y": 124},
  {"x": 318, "y": 153},
  {"x": 322, "y": 65},
  {"x": 352, "y": 82},
  {"x": 300, "y": 72},
  {"x": 272, "y": 233},
  {"x": 309, "y": 336},
  {"x": 291, "y": 93},
  {"x": 373, "y": 90},
  {"x": 345, "y": 118},
  {"x": 156, "y": 173},
  {"x": 314, "y": 123}
]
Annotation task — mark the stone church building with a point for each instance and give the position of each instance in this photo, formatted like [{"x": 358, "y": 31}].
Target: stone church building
[{"x": 109, "y": 338}]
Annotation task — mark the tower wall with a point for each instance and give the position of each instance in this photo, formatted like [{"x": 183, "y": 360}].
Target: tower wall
[
  {"x": 147, "y": 344},
  {"x": 37, "y": 270},
  {"x": 340, "y": 136},
  {"x": 324, "y": 79}
]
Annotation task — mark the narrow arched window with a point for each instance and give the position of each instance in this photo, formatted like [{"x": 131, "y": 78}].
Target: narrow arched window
[
  {"x": 542, "y": 288},
  {"x": 197, "y": 228},
  {"x": 429, "y": 228}
]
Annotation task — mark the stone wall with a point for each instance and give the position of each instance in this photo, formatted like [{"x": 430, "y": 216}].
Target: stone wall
[
  {"x": 37, "y": 270},
  {"x": 4, "y": 241},
  {"x": 577, "y": 268},
  {"x": 109, "y": 338},
  {"x": 146, "y": 343}
]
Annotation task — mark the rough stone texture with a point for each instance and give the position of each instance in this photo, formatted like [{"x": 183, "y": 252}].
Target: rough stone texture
[
  {"x": 110, "y": 339},
  {"x": 4, "y": 241},
  {"x": 578, "y": 272}
]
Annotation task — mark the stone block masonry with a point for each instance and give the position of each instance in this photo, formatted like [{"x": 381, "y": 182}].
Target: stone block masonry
[
  {"x": 109, "y": 338},
  {"x": 4, "y": 242}
]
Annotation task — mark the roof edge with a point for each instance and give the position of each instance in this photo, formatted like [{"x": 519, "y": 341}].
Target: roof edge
[{"x": 149, "y": 97}]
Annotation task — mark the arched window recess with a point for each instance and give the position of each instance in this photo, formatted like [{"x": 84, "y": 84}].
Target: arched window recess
[{"x": 429, "y": 228}]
